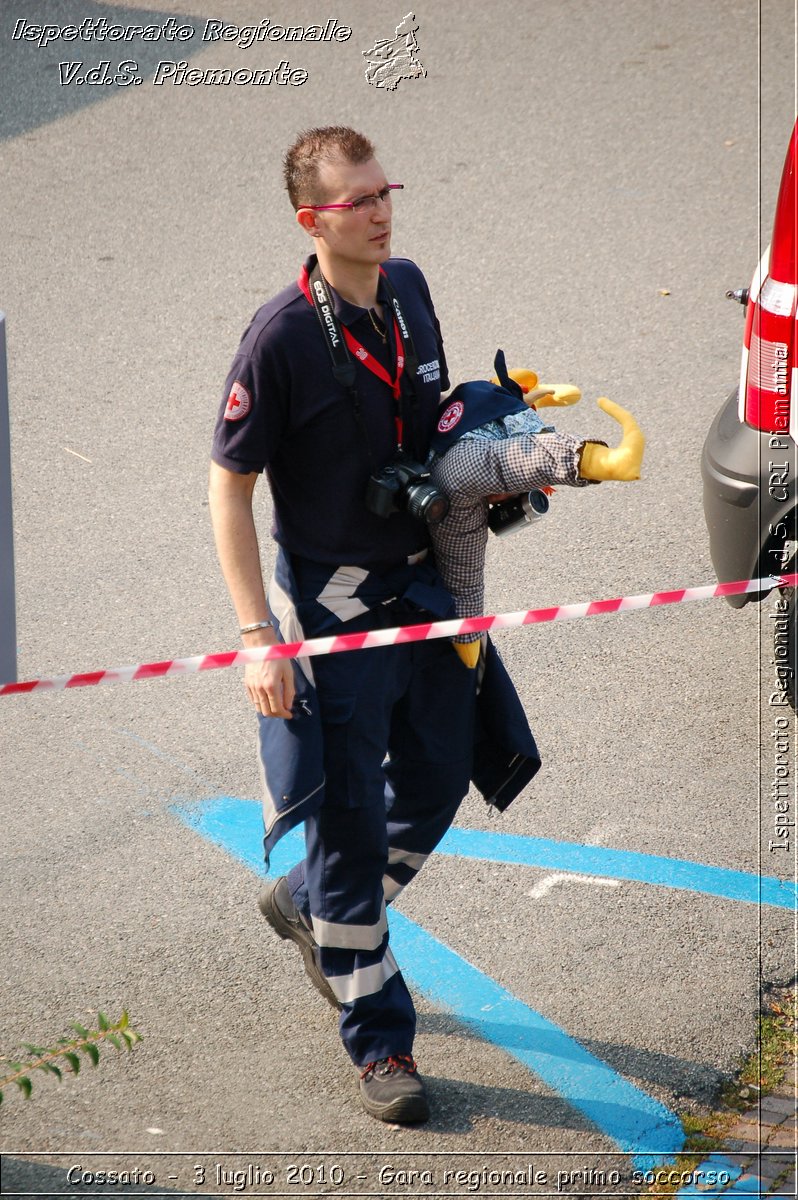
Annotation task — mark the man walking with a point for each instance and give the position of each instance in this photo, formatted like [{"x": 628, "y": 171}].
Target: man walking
[{"x": 334, "y": 390}]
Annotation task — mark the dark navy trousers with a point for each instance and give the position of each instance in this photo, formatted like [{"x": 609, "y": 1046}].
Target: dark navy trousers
[{"x": 381, "y": 817}]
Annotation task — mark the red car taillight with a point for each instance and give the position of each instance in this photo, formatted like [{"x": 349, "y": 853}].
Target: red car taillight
[{"x": 770, "y": 353}]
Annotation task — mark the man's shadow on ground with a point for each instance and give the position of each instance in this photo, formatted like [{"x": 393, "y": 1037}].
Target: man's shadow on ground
[{"x": 458, "y": 1104}]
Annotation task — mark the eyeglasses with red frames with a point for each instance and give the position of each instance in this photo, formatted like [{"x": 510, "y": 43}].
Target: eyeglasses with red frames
[{"x": 361, "y": 204}]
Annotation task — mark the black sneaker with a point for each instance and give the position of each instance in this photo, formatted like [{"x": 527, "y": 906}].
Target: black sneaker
[
  {"x": 285, "y": 919},
  {"x": 393, "y": 1090}
]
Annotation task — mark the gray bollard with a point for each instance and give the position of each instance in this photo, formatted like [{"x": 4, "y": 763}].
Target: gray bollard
[{"x": 8, "y": 608}]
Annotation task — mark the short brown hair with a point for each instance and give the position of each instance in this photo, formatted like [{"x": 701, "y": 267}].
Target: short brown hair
[{"x": 314, "y": 146}]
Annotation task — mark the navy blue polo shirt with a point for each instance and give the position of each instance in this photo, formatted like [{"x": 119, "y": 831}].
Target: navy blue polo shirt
[{"x": 283, "y": 412}]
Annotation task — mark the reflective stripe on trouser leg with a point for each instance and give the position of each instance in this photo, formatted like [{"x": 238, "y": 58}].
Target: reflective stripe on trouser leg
[
  {"x": 346, "y": 857},
  {"x": 403, "y": 865},
  {"x": 429, "y": 766},
  {"x": 347, "y": 850},
  {"x": 346, "y": 935}
]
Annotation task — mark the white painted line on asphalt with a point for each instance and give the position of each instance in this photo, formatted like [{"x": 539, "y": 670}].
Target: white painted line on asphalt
[{"x": 544, "y": 886}]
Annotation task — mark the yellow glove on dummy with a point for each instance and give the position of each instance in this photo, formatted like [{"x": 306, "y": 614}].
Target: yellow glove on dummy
[
  {"x": 597, "y": 462},
  {"x": 542, "y": 395},
  {"x": 621, "y": 462}
]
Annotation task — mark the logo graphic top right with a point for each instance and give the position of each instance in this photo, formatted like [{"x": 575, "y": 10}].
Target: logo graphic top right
[{"x": 390, "y": 60}]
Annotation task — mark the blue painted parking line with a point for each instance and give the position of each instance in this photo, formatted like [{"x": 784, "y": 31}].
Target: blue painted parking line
[
  {"x": 238, "y": 826},
  {"x": 637, "y": 1123},
  {"x": 240, "y": 820},
  {"x": 621, "y": 864},
  {"x": 634, "y": 1121}
]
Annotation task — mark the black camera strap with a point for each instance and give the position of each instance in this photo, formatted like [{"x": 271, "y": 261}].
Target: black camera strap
[
  {"x": 318, "y": 293},
  {"x": 340, "y": 342},
  {"x": 410, "y": 356}
]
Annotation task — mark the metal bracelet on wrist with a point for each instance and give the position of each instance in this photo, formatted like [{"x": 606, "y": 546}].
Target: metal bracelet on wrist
[{"x": 255, "y": 625}]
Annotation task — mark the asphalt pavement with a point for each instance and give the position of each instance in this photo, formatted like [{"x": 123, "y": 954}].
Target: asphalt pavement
[{"x": 583, "y": 182}]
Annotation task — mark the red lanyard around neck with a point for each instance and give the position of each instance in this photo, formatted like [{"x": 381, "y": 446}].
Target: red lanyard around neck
[{"x": 364, "y": 356}]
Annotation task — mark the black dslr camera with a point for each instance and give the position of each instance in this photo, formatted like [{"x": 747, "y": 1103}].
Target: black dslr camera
[{"x": 402, "y": 486}]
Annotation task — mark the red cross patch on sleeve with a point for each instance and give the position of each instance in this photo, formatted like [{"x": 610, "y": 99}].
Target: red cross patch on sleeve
[
  {"x": 451, "y": 417},
  {"x": 239, "y": 402}
]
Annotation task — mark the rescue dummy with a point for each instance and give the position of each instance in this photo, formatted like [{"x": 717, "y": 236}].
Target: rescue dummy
[{"x": 490, "y": 443}]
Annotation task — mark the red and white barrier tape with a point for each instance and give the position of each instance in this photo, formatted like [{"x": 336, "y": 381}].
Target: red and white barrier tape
[{"x": 390, "y": 637}]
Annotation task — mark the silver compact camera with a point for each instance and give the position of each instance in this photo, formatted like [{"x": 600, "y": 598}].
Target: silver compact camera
[{"x": 508, "y": 516}]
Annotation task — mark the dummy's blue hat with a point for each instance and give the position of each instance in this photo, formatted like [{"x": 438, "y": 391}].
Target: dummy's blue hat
[{"x": 473, "y": 404}]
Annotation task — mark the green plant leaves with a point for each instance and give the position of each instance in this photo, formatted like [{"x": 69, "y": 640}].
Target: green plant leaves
[
  {"x": 73, "y": 1061},
  {"x": 119, "y": 1034}
]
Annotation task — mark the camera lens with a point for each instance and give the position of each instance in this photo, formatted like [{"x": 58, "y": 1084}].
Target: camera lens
[
  {"x": 507, "y": 516},
  {"x": 426, "y": 503},
  {"x": 535, "y": 504}
]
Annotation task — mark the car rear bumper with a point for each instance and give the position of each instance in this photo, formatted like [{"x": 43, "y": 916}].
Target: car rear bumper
[{"x": 749, "y": 499}]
